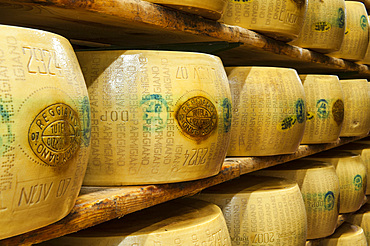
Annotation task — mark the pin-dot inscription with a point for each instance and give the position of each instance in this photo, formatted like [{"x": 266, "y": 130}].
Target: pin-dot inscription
[
  {"x": 197, "y": 117},
  {"x": 55, "y": 134}
]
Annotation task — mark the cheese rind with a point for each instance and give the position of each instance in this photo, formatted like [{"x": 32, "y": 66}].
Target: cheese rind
[
  {"x": 319, "y": 185},
  {"x": 158, "y": 116},
  {"x": 44, "y": 130},
  {"x": 362, "y": 219},
  {"x": 261, "y": 210},
  {"x": 324, "y": 102},
  {"x": 269, "y": 112}
]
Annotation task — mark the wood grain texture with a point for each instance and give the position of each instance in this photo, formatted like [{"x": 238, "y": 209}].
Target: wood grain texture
[{"x": 98, "y": 204}]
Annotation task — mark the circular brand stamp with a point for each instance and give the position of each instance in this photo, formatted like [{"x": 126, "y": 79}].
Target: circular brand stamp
[
  {"x": 341, "y": 18},
  {"x": 322, "y": 108},
  {"x": 357, "y": 181},
  {"x": 363, "y": 22},
  {"x": 226, "y": 107},
  {"x": 300, "y": 110},
  {"x": 55, "y": 134},
  {"x": 197, "y": 117},
  {"x": 329, "y": 200},
  {"x": 338, "y": 111}
]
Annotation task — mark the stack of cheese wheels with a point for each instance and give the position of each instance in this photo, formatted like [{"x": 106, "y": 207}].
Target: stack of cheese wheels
[
  {"x": 269, "y": 111},
  {"x": 319, "y": 186},
  {"x": 362, "y": 219},
  {"x": 346, "y": 235},
  {"x": 363, "y": 149},
  {"x": 211, "y": 9},
  {"x": 356, "y": 107},
  {"x": 356, "y": 37},
  {"x": 352, "y": 176},
  {"x": 261, "y": 210},
  {"x": 157, "y": 116},
  {"x": 45, "y": 129},
  {"x": 179, "y": 222},
  {"x": 281, "y": 20},
  {"x": 325, "y": 108},
  {"x": 323, "y": 27}
]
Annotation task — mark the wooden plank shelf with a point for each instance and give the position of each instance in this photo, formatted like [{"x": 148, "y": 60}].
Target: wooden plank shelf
[
  {"x": 99, "y": 204},
  {"x": 136, "y": 23}
]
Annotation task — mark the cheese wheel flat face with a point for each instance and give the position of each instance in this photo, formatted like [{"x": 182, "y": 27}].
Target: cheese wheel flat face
[
  {"x": 356, "y": 37},
  {"x": 352, "y": 176},
  {"x": 325, "y": 108},
  {"x": 346, "y": 235},
  {"x": 356, "y": 107},
  {"x": 44, "y": 130},
  {"x": 281, "y": 20},
  {"x": 269, "y": 111},
  {"x": 362, "y": 219},
  {"x": 180, "y": 222},
  {"x": 157, "y": 117},
  {"x": 319, "y": 185},
  {"x": 261, "y": 210},
  {"x": 211, "y": 9},
  {"x": 323, "y": 27}
]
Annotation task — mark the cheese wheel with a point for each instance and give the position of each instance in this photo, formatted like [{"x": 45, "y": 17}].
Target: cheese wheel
[
  {"x": 366, "y": 59},
  {"x": 281, "y": 20},
  {"x": 323, "y": 27},
  {"x": 356, "y": 107},
  {"x": 157, "y": 116},
  {"x": 269, "y": 111},
  {"x": 356, "y": 36},
  {"x": 261, "y": 210},
  {"x": 179, "y": 222},
  {"x": 319, "y": 185},
  {"x": 352, "y": 176},
  {"x": 325, "y": 108},
  {"x": 45, "y": 129},
  {"x": 362, "y": 219}
]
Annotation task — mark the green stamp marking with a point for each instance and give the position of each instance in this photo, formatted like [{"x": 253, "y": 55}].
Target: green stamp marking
[
  {"x": 363, "y": 22},
  {"x": 341, "y": 18},
  {"x": 86, "y": 121},
  {"x": 287, "y": 123},
  {"x": 322, "y": 108},
  {"x": 329, "y": 200},
  {"x": 322, "y": 26},
  {"x": 300, "y": 110},
  {"x": 227, "y": 114},
  {"x": 357, "y": 181},
  {"x": 155, "y": 112}
]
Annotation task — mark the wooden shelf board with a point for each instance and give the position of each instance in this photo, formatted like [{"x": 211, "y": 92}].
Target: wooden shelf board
[
  {"x": 98, "y": 204},
  {"x": 133, "y": 23}
]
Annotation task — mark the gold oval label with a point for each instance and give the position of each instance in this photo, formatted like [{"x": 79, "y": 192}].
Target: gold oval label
[
  {"x": 55, "y": 134},
  {"x": 197, "y": 117}
]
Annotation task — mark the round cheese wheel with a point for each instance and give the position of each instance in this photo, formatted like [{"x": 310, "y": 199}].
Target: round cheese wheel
[
  {"x": 319, "y": 186},
  {"x": 45, "y": 129},
  {"x": 211, "y": 9},
  {"x": 366, "y": 59},
  {"x": 179, "y": 222},
  {"x": 323, "y": 27},
  {"x": 269, "y": 111},
  {"x": 157, "y": 116},
  {"x": 325, "y": 108},
  {"x": 352, "y": 176},
  {"x": 261, "y": 210},
  {"x": 356, "y": 36},
  {"x": 281, "y": 20},
  {"x": 362, "y": 219},
  {"x": 356, "y": 107}
]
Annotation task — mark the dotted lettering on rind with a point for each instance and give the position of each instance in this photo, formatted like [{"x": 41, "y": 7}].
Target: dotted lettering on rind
[
  {"x": 363, "y": 22},
  {"x": 329, "y": 200},
  {"x": 86, "y": 121},
  {"x": 322, "y": 109},
  {"x": 227, "y": 114},
  {"x": 357, "y": 181},
  {"x": 197, "y": 117},
  {"x": 341, "y": 18},
  {"x": 338, "y": 111},
  {"x": 55, "y": 134},
  {"x": 155, "y": 112},
  {"x": 300, "y": 110}
]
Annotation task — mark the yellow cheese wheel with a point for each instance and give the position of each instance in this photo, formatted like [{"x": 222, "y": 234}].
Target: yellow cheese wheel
[
  {"x": 346, "y": 235},
  {"x": 362, "y": 219},
  {"x": 261, "y": 210},
  {"x": 323, "y": 27},
  {"x": 319, "y": 186},
  {"x": 157, "y": 116},
  {"x": 325, "y": 108},
  {"x": 211, "y": 9},
  {"x": 366, "y": 59},
  {"x": 281, "y": 20},
  {"x": 356, "y": 107},
  {"x": 352, "y": 176},
  {"x": 180, "y": 222},
  {"x": 269, "y": 111},
  {"x": 45, "y": 129},
  {"x": 356, "y": 36}
]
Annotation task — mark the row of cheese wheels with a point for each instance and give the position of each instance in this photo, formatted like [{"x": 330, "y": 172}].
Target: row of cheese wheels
[
  {"x": 283, "y": 205},
  {"x": 337, "y": 27}
]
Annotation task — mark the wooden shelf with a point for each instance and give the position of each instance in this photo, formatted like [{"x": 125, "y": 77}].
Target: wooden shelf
[
  {"x": 96, "y": 205},
  {"x": 136, "y": 23}
]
